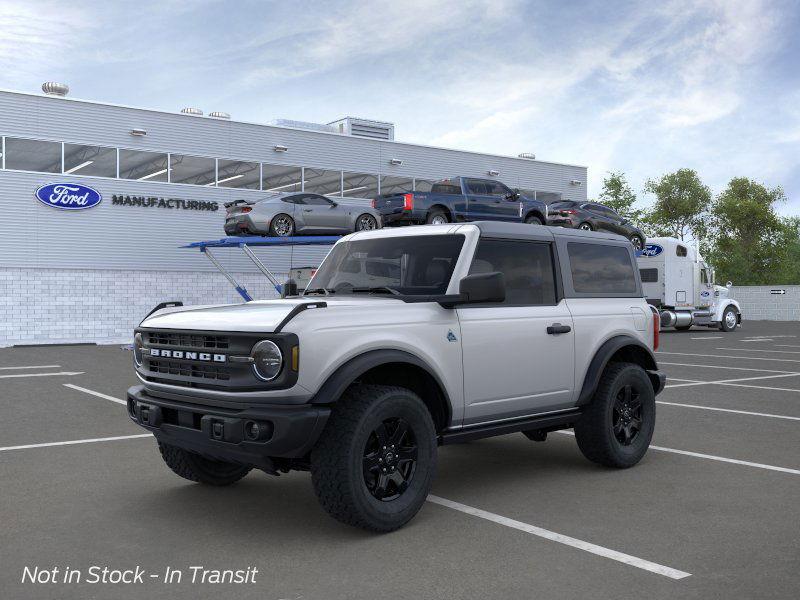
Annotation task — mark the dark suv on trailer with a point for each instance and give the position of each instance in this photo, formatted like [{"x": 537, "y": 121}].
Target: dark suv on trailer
[{"x": 591, "y": 216}]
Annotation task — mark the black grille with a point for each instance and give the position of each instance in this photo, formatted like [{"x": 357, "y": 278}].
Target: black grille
[
  {"x": 648, "y": 275},
  {"x": 187, "y": 369},
  {"x": 188, "y": 340}
]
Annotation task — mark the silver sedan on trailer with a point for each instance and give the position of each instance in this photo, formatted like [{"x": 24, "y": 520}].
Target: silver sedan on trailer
[{"x": 298, "y": 213}]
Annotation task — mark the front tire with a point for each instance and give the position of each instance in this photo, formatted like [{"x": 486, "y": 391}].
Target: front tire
[
  {"x": 729, "y": 320},
  {"x": 533, "y": 220},
  {"x": 376, "y": 458},
  {"x": 197, "y": 468},
  {"x": 617, "y": 426},
  {"x": 281, "y": 226},
  {"x": 586, "y": 227}
]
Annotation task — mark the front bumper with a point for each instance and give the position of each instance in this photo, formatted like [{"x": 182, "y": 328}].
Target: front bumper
[{"x": 286, "y": 431}]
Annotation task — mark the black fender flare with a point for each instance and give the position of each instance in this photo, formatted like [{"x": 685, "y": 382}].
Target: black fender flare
[
  {"x": 603, "y": 355},
  {"x": 347, "y": 373}
]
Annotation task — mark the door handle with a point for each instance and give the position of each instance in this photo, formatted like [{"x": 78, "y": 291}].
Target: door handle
[
  {"x": 557, "y": 328},
  {"x": 308, "y": 210}
]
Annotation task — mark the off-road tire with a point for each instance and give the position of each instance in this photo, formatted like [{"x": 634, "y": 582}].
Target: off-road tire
[
  {"x": 437, "y": 212},
  {"x": 723, "y": 325},
  {"x": 337, "y": 460},
  {"x": 594, "y": 431},
  {"x": 197, "y": 468},
  {"x": 275, "y": 233},
  {"x": 533, "y": 220}
]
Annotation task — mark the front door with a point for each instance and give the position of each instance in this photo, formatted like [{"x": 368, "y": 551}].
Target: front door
[
  {"x": 322, "y": 214},
  {"x": 512, "y": 366}
]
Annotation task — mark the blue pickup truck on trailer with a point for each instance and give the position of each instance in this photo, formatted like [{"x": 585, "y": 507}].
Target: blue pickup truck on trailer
[{"x": 461, "y": 199}]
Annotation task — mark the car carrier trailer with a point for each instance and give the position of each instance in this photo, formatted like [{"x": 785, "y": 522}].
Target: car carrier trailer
[{"x": 679, "y": 283}]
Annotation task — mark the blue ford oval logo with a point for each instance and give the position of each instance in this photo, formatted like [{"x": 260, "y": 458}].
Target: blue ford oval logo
[
  {"x": 68, "y": 196},
  {"x": 651, "y": 250}
]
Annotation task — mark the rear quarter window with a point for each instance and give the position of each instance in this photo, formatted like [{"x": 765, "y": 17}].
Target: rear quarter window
[{"x": 601, "y": 269}]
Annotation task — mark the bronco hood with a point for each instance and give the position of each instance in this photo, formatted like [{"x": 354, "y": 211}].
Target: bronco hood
[{"x": 261, "y": 316}]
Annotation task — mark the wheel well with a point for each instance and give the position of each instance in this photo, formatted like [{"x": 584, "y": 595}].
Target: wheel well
[
  {"x": 444, "y": 209},
  {"x": 536, "y": 213},
  {"x": 617, "y": 350},
  {"x": 416, "y": 379},
  {"x": 633, "y": 354}
]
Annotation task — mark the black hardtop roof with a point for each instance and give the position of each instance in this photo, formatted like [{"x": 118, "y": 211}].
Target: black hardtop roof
[{"x": 524, "y": 231}]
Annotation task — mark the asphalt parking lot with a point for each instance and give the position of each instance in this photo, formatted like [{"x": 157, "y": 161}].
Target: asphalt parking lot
[{"x": 711, "y": 512}]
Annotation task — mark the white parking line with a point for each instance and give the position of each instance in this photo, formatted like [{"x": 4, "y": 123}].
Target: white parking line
[
  {"x": 733, "y": 461},
  {"x": 759, "y": 340},
  {"x": 724, "y": 367},
  {"x": 731, "y": 381},
  {"x": 72, "y": 442},
  {"x": 759, "y": 350},
  {"x": 761, "y": 387},
  {"x": 787, "y": 346},
  {"x": 710, "y": 337},
  {"x": 721, "y": 356},
  {"x": 16, "y": 375},
  {"x": 93, "y": 393},
  {"x": 31, "y": 367},
  {"x": 562, "y": 539},
  {"x": 730, "y": 410}
]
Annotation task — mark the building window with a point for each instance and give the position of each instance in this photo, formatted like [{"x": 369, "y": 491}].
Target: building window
[
  {"x": 237, "y": 174},
  {"x": 423, "y": 185},
  {"x": 33, "y": 155},
  {"x": 396, "y": 185},
  {"x": 321, "y": 181},
  {"x": 280, "y": 178},
  {"x": 194, "y": 170},
  {"x": 359, "y": 185},
  {"x": 144, "y": 166},
  {"x": 96, "y": 161}
]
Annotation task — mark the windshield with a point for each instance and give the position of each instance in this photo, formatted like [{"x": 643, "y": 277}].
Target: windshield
[{"x": 407, "y": 265}]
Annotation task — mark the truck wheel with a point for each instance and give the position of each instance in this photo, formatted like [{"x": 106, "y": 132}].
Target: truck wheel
[
  {"x": 194, "y": 467},
  {"x": 729, "y": 320},
  {"x": 281, "y": 226},
  {"x": 617, "y": 426},
  {"x": 437, "y": 216},
  {"x": 376, "y": 458},
  {"x": 533, "y": 220}
]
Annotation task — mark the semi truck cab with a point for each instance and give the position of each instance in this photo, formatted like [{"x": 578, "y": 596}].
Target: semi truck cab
[{"x": 681, "y": 285}]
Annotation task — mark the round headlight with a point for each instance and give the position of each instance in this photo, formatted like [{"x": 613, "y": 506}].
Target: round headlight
[
  {"x": 267, "y": 360},
  {"x": 138, "y": 343}
]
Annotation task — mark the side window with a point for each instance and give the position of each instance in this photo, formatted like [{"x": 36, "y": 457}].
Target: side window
[
  {"x": 681, "y": 251},
  {"x": 446, "y": 186},
  {"x": 293, "y": 199},
  {"x": 601, "y": 269},
  {"x": 495, "y": 188},
  {"x": 316, "y": 200},
  {"x": 476, "y": 186},
  {"x": 526, "y": 266}
]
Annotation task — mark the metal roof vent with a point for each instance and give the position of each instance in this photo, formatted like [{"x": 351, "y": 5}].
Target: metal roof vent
[
  {"x": 527, "y": 155},
  {"x": 219, "y": 115},
  {"x": 377, "y": 130},
  {"x": 51, "y": 88},
  {"x": 192, "y": 111}
]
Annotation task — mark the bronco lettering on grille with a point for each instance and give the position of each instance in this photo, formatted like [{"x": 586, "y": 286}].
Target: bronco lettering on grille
[{"x": 202, "y": 356}]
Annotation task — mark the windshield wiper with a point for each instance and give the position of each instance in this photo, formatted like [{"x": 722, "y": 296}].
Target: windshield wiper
[
  {"x": 375, "y": 290},
  {"x": 325, "y": 291}
]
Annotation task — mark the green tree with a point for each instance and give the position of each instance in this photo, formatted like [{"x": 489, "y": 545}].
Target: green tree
[
  {"x": 681, "y": 205},
  {"x": 750, "y": 243},
  {"x": 617, "y": 194}
]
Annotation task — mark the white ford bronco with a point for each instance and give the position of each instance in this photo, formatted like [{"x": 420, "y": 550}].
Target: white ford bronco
[{"x": 406, "y": 340}]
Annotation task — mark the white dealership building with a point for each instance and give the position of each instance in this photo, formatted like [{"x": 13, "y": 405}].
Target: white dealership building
[{"x": 90, "y": 275}]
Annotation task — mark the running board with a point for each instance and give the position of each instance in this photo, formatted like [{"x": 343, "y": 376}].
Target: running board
[{"x": 546, "y": 422}]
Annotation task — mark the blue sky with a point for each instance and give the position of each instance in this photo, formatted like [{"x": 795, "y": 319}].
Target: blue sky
[{"x": 641, "y": 87}]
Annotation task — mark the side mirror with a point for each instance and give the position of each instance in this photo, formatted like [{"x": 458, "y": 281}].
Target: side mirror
[
  {"x": 483, "y": 287},
  {"x": 289, "y": 288},
  {"x": 334, "y": 204}
]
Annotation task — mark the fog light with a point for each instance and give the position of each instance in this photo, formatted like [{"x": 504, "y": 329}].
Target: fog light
[
  {"x": 252, "y": 430},
  {"x": 258, "y": 431}
]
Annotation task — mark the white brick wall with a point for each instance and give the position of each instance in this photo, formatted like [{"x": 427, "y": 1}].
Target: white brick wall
[
  {"x": 52, "y": 306},
  {"x": 758, "y": 303}
]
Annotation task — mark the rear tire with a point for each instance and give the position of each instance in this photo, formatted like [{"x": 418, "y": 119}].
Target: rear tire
[
  {"x": 437, "y": 216},
  {"x": 197, "y": 468},
  {"x": 617, "y": 426},
  {"x": 376, "y": 458},
  {"x": 366, "y": 222},
  {"x": 281, "y": 226},
  {"x": 586, "y": 227},
  {"x": 730, "y": 320},
  {"x": 533, "y": 220}
]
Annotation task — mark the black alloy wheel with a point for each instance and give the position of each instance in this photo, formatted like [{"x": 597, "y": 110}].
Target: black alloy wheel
[
  {"x": 627, "y": 415},
  {"x": 366, "y": 223},
  {"x": 390, "y": 459}
]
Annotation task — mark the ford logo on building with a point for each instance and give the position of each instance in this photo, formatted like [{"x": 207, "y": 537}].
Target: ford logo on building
[
  {"x": 651, "y": 250},
  {"x": 68, "y": 196}
]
